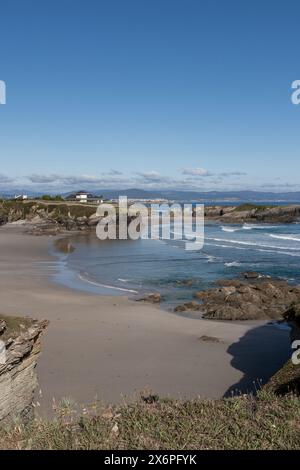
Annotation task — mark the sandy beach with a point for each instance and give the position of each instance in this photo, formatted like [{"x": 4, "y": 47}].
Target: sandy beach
[{"x": 111, "y": 347}]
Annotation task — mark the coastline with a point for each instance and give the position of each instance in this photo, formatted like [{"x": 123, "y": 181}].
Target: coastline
[{"x": 111, "y": 347}]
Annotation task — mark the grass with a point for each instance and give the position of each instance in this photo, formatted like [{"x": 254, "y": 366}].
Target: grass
[
  {"x": 55, "y": 209},
  {"x": 265, "y": 422},
  {"x": 268, "y": 421},
  {"x": 14, "y": 326},
  {"x": 287, "y": 380}
]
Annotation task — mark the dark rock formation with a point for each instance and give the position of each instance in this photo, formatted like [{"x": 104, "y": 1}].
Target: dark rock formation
[
  {"x": 209, "y": 339},
  {"x": 253, "y": 214},
  {"x": 188, "y": 307},
  {"x": 251, "y": 275},
  {"x": 250, "y": 299},
  {"x": 154, "y": 298}
]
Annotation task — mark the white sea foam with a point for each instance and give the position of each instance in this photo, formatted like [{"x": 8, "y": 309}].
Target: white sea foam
[
  {"x": 258, "y": 227},
  {"x": 233, "y": 264},
  {"x": 285, "y": 237},
  {"x": 229, "y": 229},
  {"x": 249, "y": 243},
  {"x": 233, "y": 247},
  {"x": 106, "y": 286},
  {"x": 211, "y": 258}
]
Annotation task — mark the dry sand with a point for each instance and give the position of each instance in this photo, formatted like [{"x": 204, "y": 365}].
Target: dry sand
[{"x": 111, "y": 347}]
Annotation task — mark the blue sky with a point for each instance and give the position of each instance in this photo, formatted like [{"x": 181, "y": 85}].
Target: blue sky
[{"x": 185, "y": 94}]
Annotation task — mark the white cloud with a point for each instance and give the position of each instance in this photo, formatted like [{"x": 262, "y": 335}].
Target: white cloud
[
  {"x": 202, "y": 172},
  {"x": 151, "y": 176},
  {"x": 196, "y": 172},
  {"x": 6, "y": 179}
]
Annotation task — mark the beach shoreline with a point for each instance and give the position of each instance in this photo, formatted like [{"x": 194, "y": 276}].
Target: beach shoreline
[{"x": 108, "y": 348}]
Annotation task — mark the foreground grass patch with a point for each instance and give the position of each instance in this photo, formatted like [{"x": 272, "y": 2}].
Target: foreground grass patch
[{"x": 245, "y": 422}]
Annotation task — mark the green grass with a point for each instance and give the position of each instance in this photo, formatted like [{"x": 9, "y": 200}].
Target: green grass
[
  {"x": 287, "y": 380},
  {"x": 245, "y": 422},
  {"x": 58, "y": 209}
]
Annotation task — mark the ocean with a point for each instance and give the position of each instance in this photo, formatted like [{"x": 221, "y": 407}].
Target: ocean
[{"x": 126, "y": 267}]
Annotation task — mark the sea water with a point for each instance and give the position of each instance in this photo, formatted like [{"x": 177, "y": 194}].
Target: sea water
[{"x": 126, "y": 267}]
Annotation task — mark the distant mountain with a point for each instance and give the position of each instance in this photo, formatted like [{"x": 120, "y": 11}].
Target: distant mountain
[
  {"x": 212, "y": 196},
  {"x": 173, "y": 195}
]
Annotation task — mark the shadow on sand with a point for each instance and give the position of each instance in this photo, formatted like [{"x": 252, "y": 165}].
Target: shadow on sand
[{"x": 259, "y": 354}]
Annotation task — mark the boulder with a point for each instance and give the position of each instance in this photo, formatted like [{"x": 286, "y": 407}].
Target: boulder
[
  {"x": 188, "y": 307},
  {"x": 250, "y": 275},
  {"x": 154, "y": 298}
]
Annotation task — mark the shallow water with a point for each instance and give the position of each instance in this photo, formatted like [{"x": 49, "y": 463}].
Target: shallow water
[{"x": 126, "y": 267}]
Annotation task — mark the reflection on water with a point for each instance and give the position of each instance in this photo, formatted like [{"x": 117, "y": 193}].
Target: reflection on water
[{"x": 64, "y": 245}]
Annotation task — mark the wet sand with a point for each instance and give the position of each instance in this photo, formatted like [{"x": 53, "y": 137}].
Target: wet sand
[{"x": 111, "y": 347}]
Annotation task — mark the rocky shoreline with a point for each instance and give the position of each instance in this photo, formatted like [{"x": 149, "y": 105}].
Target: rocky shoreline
[
  {"x": 41, "y": 218},
  {"x": 250, "y": 296},
  {"x": 250, "y": 213},
  {"x": 53, "y": 218}
]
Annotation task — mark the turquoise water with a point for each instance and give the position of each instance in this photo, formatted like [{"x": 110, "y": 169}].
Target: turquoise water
[{"x": 126, "y": 267}]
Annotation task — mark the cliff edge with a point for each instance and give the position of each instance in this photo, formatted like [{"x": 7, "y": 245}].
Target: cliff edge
[{"x": 20, "y": 346}]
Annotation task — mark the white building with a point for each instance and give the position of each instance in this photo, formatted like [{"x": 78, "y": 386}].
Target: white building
[
  {"x": 81, "y": 197},
  {"x": 21, "y": 197}
]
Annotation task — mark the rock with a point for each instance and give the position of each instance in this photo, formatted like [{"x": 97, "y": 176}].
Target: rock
[
  {"x": 81, "y": 220},
  {"x": 254, "y": 298},
  {"x": 2, "y": 326},
  {"x": 209, "y": 339},
  {"x": 229, "y": 282},
  {"x": 17, "y": 375},
  {"x": 150, "y": 399},
  {"x": 154, "y": 298},
  {"x": 229, "y": 290},
  {"x": 188, "y": 307},
  {"x": 252, "y": 213},
  {"x": 250, "y": 275},
  {"x": 94, "y": 220}
]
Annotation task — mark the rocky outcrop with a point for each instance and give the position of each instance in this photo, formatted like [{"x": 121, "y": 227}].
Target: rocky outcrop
[
  {"x": 42, "y": 218},
  {"x": 18, "y": 378},
  {"x": 250, "y": 213},
  {"x": 188, "y": 307},
  {"x": 249, "y": 299},
  {"x": 154, "y": 298}
]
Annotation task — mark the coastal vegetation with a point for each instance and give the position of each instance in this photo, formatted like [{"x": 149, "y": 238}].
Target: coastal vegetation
[
  {"x": 49, "y": 197},
  {"x": 265, "y": 422},
  {"x": 268, "y": 420},
  {"x": 62, "y": 215}
]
